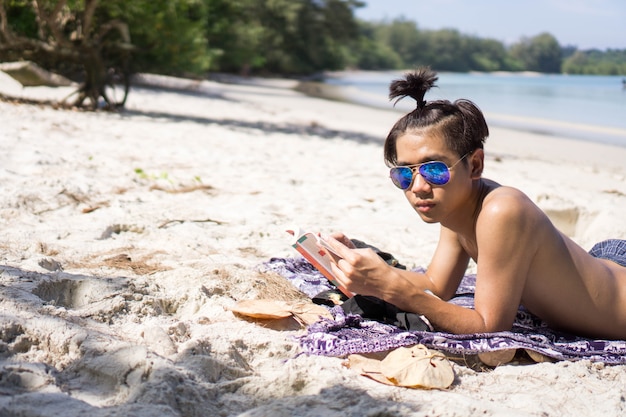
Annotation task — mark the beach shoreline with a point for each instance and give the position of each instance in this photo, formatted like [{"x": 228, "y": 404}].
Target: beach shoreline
[
  {"x": 352, "y": 93},
  {"x": 127, "y": 236}
]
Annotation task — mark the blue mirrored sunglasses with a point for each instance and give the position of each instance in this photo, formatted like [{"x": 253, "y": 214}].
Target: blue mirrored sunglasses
[{"x": 433, "y": 172}]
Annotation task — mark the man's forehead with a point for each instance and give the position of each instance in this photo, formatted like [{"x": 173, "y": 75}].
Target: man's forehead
[{"x": 415, "y": 149}]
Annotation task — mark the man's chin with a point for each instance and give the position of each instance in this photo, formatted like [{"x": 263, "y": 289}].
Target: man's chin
[{"x": 427, "y": 219}]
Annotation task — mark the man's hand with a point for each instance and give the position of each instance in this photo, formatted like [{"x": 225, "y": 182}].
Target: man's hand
[
  {"x": 360, "y": 270},
  {"x": 323, "y": 242}
]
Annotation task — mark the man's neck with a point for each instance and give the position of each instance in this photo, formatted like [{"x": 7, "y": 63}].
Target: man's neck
[{"x": 464, "y": 223}]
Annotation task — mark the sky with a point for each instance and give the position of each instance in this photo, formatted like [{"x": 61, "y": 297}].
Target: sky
[{"x": 585, "y": 24}]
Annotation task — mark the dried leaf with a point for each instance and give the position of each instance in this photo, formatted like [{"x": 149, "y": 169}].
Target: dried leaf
[
  {"x": 262, "y": 309},
  {"x": 309, "y": 313},
  {"x": 369, "y": 367},
  {"x": 418, "y": 366},
  {"x": 538, "y": 357},
  {"x": 497, "y": 357},
  {"x": 413, "y": 367},
  {"x": 302, "y": 312}
]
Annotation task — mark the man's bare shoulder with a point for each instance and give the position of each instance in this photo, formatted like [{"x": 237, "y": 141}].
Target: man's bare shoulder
[
  {"x": 510, "y": 209},
  {"x": 502, "y": 190},
  {"x": 495, "y": 194}
]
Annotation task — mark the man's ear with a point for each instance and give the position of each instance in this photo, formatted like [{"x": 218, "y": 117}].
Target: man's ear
[{"x": 477, "y": 163}]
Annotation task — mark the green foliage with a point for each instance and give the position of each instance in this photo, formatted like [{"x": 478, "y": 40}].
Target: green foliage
[
  {"x": 21, "y": 18},
  {"x": 402, "y": 37},
  {"x": 300, "y": 37},
  {"x": 281, "y": 36},
  {"x": 169, "y": 35},
  {"x": 399, "y": 44},
  {"x": 541, "y": 53},
  {"x": 611, "y": 62},
  {"x": 487, "y": 55},
  {"x": 233, "y": 30},
  {"x": 446, "y": 51},
  {"x": 377, "y": 56}
]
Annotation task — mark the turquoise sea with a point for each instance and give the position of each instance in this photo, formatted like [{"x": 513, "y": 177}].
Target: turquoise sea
[{"x": 582, "y": 107}]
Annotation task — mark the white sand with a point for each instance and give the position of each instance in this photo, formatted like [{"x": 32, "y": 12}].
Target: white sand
[{"x": 124, "y": 237}]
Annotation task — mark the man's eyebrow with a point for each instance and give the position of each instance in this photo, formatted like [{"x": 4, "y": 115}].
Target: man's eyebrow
[{"x": 429, "y": 158}]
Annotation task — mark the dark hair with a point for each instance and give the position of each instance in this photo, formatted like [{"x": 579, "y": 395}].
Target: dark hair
[{"x": 461, "y": 124}]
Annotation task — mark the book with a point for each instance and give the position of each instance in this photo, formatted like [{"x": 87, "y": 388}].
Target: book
[{"x": 318, "y": 252}]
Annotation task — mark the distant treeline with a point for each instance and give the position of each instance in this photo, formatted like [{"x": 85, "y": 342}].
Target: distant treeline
[
  {"x": 401, "y": 44},
  {"x": 304, "y": 37}
]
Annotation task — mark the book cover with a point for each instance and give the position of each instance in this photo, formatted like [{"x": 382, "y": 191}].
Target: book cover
[{"x": 308, "y": 245}]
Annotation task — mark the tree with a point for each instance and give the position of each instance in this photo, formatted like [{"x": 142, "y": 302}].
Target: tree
[
  {"x": 281, "y": 36},
  {"x": 371, "y": 54},
  {"x": 169, "y": 36},
  {"x": 486, "y": 54},
  {"x": 234, "y": 29},
  {"x": 403, "y": 37},
  {"x": 610, "y": 62},
  {"x": 90, "y": 40},
  {"x": 446, "y": 51},
  {"x": 67, "y": 31},
  {"x": 541, "y": 53}
]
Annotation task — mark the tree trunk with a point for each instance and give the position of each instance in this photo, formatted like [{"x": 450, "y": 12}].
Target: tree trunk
[{"x": 95, "y": 80}]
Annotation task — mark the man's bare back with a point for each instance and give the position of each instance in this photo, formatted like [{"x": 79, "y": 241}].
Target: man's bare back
[{"x": 564, "y": 284}]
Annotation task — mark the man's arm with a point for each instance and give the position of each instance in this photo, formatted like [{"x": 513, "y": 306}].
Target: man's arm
[
  {"x": 448, "y": 265},
  {"x": 508, "y": 232},
  {"x": 363, "y": 272},
  {"x": 507, "y": 239},
  {"x": 444, "y": 274}
]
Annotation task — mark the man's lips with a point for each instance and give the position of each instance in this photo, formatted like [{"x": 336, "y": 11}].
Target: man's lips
[{"x": 424, "y": 206}]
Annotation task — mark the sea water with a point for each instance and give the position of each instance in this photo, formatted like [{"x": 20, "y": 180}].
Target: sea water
[{"x": 583, "y": 107}]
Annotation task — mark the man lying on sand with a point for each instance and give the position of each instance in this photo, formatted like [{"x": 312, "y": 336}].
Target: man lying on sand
[{"x": 437, "y": 159}]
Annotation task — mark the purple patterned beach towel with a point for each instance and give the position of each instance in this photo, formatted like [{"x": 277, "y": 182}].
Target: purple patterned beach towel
[{"x": 348, "y": 334}]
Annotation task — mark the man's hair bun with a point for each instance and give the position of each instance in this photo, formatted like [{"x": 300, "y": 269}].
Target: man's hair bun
[{"x": 415, "y": 85}]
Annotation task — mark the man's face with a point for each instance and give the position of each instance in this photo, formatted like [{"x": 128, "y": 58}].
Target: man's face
[{"x": 433, "y": 203}]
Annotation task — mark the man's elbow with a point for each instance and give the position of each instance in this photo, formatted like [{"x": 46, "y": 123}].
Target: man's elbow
[{"x": 498, "y": 325}]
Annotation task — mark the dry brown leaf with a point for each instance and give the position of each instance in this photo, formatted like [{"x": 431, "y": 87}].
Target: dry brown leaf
[
  {"x": 304, "y": 313},
  {"x": 262, "y": 309},
  {"x": 369, "y": 367},
  {"x": 412, "y": 367},
  {"x": 309, "y": 313},
  {"x": 417, "y": 367},
  {"x": 538, "y": 357},
  {"x": 497, "y": 357}
]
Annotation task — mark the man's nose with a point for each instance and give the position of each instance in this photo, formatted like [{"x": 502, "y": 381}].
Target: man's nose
[{"x": 419, "y": 185}]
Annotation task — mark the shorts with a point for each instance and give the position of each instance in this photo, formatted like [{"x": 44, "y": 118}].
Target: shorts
[{"x": 611, "y": 249}]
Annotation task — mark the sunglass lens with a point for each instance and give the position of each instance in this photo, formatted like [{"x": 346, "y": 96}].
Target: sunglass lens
[
  {"x": 401, "y": 177},
  {"x": 436, "y": 173}
]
